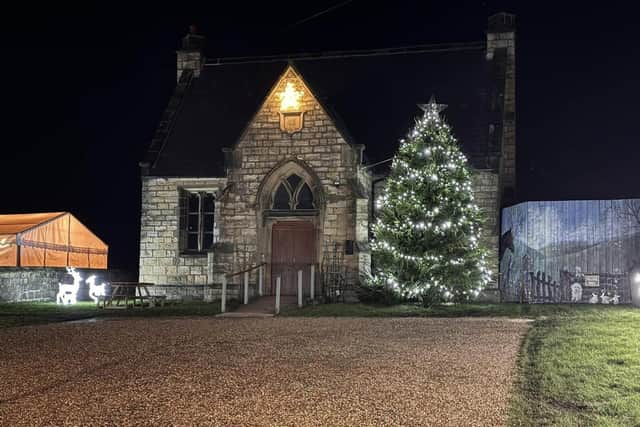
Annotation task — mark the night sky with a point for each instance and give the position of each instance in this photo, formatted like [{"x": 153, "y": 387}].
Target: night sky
[{"x": 84, "y": 90}]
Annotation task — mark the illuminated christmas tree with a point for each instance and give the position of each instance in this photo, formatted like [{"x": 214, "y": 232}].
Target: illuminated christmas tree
[{"x": 427, "y": 234}]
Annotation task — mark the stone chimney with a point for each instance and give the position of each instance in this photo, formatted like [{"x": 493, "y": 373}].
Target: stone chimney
[
  {"x": 501, "y": 54},
  {"x": 191, "y": 55}
]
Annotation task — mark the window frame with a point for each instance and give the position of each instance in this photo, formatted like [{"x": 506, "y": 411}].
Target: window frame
[
  {"x": 293, "y": 201},
  {"x": 185, "y": 212}
]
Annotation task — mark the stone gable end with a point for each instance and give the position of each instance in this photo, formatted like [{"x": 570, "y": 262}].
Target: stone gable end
[
  {"x": 264, "y": 150},
  {"x": 319, "y": 143}
]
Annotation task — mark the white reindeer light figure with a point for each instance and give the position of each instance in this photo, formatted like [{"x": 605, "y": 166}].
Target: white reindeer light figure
[
  {"x": 576, "y": 292},
  {"x": 95, "y": 291},
  {"x": 593, "y": 299},
  {"x": 615, "y": 300},
  {"x": 604, "y": 298},
  {"x": 68, "y": 293}
]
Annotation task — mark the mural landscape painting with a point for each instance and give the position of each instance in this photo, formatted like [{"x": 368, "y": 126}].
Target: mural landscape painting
[{"x": 578, "y": 251}]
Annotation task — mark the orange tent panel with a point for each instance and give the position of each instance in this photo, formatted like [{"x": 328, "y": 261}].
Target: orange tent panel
[
  {"x": 8, "y": 251},
  {"x": 50, "y": 240},
  {"x": 17, "y": 223},
  {"x": 31, "y": 257},
  {"x": 53, "y": 258},
  {"x": 98, "y": 261},
  {"x": 81, "y": 236}
]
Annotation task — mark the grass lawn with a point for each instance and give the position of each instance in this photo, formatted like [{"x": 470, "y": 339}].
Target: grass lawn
[
  {"x": 581, "y": 369},
  {"x": 19, "y": 314}
]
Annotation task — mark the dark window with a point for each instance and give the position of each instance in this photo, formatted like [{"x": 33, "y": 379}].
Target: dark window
[
  {"x": 194, "y": 202},
  {"x": 209, "y": 203},
  {"x": 208, "y": 220},
  {"x": 194, "y": 223},
  {"x": 305, "y": 198},
  {"x": 293, "y": 181},
  {"x": 197, "y": 221},
  {"x": 281, "y": 200},
  {"x": 293, "y": 194},
  {"x": 192, "y": 242},
  {"x": 208, "y": 223},
  {"x": 208, "y": 240}
]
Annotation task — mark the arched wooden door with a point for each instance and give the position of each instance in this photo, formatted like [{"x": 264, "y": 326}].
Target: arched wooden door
[{"x": 293, "y": 248}]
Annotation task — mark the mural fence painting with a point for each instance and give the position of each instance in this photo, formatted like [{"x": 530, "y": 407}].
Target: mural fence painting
[{"x": 577, "y": 251}]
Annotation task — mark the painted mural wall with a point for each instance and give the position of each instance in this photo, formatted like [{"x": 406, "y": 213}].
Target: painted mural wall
[{"x": 578, "y": 251}]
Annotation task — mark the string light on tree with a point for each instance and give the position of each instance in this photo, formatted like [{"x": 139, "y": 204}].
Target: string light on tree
[{"x": 427, "y": 233}]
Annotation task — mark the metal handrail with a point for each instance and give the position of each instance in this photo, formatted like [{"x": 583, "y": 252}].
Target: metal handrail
[
  {"x": 259, "y": 266},
  {"x": 246, "y": 270}
]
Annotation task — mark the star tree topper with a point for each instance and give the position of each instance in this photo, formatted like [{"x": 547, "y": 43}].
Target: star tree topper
[{"x": 432, "y": 110}]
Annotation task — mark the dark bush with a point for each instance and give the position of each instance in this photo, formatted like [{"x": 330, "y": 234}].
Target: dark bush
[
  {"x": 376, "y": 294},
  {"x": 432, "y": 296}
]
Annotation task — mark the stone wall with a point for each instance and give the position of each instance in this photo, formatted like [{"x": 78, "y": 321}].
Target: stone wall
[
  {"x": 212, "y": 292},
  {"x": 161, "y": 261},
  {"x": 29, "y": 284},
  {"x": 487, "y": 195},
  {"x": 364, "y": 214},
  {"x": 501, "y": 36},
  {"x": 189, "y": 60}
]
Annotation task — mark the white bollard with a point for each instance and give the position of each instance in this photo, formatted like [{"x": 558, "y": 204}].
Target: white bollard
[
  {"x": 260, "y": 275},
  {"x": 299, "y": 288},
  {"x": 223, "y": 297},
  {"x": 278, "y": 295},
  {"x": 313, "y": 280},
  {"x": 246, "y": 287}
]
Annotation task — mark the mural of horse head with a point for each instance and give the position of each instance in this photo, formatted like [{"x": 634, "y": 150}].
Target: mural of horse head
[{"x": 506, "y": 242}]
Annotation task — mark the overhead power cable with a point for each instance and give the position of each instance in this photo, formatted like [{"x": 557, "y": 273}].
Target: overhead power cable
[
  {"x": 322, "y": 12},
  {"x": 405, "y": 50}
]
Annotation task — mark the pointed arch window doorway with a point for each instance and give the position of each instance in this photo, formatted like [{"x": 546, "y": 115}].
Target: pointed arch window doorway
[{"x": 293, "y": 196}]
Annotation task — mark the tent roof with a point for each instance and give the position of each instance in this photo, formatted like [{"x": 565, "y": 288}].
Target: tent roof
[{"x": 17, "y": 223}]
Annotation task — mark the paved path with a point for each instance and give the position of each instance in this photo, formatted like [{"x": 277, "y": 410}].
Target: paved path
[
  {"x": 274, "y": 371},
  {"x": 261, "y": 307}
]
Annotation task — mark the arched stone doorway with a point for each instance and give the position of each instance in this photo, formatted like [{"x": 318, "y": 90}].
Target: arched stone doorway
[{"x": 290, "y": 210}]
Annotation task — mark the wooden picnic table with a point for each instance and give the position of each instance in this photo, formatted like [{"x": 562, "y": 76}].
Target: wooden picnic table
[{"x": 134, "y": 293}]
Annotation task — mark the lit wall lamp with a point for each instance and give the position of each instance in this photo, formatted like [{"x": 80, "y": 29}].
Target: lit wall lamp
[
  {"x": 290, "y": 98},
  {"x": 291, "y": 112}
]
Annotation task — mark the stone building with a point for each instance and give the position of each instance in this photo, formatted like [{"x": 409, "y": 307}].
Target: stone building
[{"x": 265, "y": 161}]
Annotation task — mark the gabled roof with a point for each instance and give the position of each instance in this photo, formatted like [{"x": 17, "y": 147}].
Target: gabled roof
[
  {"x": 17, "y": 223},
  {"x": 372, "y": 99}
]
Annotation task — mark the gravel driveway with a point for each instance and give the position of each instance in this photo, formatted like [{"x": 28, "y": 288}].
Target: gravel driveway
[{"x": 278, "y": 371}]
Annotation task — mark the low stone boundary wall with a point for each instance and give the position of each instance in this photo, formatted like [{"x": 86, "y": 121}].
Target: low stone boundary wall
[
  {"x": 22, "y": 284},
  {"x": 198, "y": 292}
]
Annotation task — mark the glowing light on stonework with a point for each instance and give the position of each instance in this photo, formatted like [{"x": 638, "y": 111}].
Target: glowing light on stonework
[
  {"x": 67, "y": 294},
  {"x": 290, "y": 98}
]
